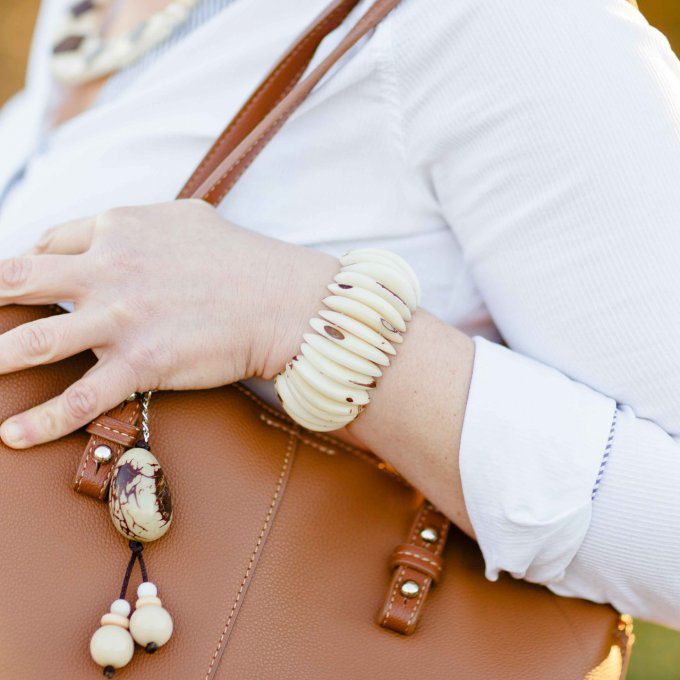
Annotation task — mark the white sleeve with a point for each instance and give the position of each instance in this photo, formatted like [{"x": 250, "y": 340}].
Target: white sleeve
[{"x": 550, "y": 132}]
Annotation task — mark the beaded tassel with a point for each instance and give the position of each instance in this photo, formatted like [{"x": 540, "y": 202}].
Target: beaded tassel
[{"x": 141, "y": 509}]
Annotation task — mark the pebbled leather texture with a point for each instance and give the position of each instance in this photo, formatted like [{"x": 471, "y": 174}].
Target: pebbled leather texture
[{"x": 307, "y": 560}]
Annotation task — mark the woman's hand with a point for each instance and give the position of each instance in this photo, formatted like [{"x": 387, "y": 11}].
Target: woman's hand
[{"x": 169, "y": 296}]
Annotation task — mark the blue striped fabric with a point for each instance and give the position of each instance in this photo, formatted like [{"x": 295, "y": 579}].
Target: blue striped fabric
[{"x": 605, "y": 456}]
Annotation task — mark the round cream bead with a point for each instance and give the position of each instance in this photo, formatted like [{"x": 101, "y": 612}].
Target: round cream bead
[
  {"x": 151, "y": 624},
  {"x": 121, "y": 607},
  {"x": 147, "y": 589},
  {"x": 112, "y": 646}
]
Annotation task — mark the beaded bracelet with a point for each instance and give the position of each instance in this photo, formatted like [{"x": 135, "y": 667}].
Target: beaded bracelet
[{"x": 328, "y": 383}]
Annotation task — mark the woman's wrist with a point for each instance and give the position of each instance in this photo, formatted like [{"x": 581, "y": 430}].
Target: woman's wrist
[
  {"x": 416, "y": 415},
  {"x": 355, "y": 333},
  {"x": 300, "y": 280}
]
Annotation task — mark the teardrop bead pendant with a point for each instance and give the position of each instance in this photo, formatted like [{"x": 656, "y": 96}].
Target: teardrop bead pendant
[{"x": 139, "y": 497}]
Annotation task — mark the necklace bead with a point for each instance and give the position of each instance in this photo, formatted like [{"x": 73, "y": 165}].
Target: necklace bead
[{"x": 81, "y": 54}]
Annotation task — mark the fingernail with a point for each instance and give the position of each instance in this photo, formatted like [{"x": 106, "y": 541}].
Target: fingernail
[{"x": 12, "y": 433}]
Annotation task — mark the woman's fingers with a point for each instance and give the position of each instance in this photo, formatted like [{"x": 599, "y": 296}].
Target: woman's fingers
[
  {"x": 42, "y": 279},
  {"x": 50, "y": 339},
  {"x": 107, "y": 384},
  {"x": 71, "y": 238}
]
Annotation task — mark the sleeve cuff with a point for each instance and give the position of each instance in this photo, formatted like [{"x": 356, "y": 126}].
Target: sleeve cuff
[{"x": 531, "y": 448}]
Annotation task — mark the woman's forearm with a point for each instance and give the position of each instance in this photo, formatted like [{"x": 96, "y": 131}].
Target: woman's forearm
[{"x": 415, "y": 417}]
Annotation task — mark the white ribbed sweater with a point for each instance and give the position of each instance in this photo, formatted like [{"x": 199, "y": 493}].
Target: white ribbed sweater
[{"x": 525, "y": 157}]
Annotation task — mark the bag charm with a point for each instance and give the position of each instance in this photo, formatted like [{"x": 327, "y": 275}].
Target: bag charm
[{"x": 140, "y": 506}]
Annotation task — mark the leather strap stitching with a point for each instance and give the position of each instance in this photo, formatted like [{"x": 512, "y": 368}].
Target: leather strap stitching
[
  {"x": 372, "y": 460},
  {"x": 97, "y": 423},
  {"x": 418, "y": 557},
  {"x": 258, "y": 144},
  {"x": 90, "y": 447},
  {"x": 419, "y": 602},
  {"x": 397, "y": 582},
  {"x": 281, "y": 421}
]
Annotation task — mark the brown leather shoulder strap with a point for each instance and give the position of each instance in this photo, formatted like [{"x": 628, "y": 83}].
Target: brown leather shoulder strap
[
  {"x": 277, "y": 84},
  {"x": 275, "y": 100}
]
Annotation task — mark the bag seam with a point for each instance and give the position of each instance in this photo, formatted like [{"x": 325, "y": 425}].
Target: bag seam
[{"x": 251, "y": 563}]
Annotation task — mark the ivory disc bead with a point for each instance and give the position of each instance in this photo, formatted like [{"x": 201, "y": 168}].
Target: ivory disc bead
[
  {"x": 112, "y": 646},
  {"x": 114, "y": 620},
  {"x": 151, "y": 623}
]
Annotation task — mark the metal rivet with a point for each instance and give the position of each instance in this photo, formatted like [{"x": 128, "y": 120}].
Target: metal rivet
[
  {"x": 102, "y": 454},
  {"x": 429, "y": 535},
  {"x": 409, "y": 589}
]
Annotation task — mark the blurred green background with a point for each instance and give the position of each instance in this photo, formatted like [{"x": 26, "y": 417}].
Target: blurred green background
[{"x": 657, "y": 650}]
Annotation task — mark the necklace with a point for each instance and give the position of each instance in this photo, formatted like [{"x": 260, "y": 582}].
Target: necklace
[{"x": 81, "y": 53}]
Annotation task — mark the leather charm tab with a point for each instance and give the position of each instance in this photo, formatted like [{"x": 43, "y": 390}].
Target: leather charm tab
[
  {"x": 420, "y": 559},
  {"x": 114, "y": 430},
  {"x": 113, "y": 433},
  {"x": 416, "y": 565}
]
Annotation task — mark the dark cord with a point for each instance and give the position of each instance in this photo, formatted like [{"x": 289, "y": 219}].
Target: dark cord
[{"x": 136, "y": 548}]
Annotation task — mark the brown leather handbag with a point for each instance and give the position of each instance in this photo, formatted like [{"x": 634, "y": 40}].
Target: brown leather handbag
[{"x": 290, "y": 549}]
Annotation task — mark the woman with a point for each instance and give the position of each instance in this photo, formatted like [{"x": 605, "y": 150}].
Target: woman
[{"x": 523, "y": 158}]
